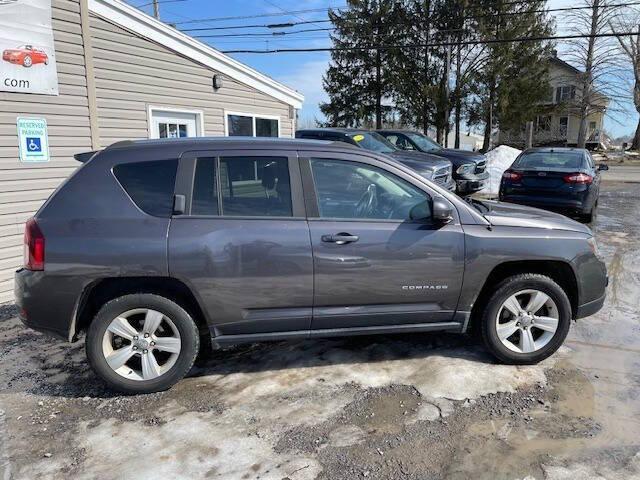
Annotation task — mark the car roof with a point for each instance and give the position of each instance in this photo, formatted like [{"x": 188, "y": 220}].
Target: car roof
[
  {"x": 174, "y": 147},
  {"x": 555, "y": 150},
  {"x": 334, "y": 129},
  {"x": 396, "y": 130}
]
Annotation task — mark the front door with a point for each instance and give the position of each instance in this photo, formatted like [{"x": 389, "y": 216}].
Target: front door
[
  {"x": 170, "y": 124},
  {"x": 373, "y": 265},
  {"x": 242, "y": 244}
]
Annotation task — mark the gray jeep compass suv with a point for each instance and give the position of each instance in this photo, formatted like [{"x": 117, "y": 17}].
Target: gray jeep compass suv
[{"x": 160, "y": 248}]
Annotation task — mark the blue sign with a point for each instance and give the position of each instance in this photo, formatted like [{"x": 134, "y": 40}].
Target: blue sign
[
  {"x": 34, "y": 144},
  {"x": 33, "y": 140}
]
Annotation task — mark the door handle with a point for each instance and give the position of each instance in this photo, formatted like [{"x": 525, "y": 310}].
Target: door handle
[{"x": 339, "y": 238}]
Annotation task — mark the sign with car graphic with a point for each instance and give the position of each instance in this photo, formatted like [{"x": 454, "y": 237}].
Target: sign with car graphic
[{"x": 26, "y": 41}]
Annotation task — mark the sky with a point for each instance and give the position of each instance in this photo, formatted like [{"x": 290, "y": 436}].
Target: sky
[{"x": 301, "y": 71}]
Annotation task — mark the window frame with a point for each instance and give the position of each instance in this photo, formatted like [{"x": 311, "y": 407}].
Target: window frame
[
  {"x": 560, "y": 93},
  {"x": 253, "y": 116},
  {"x": 186, "y": 178},
  {"x": 311, "y": 197}
]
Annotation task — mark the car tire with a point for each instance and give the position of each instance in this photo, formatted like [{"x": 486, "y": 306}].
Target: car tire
[
  {"x": 27, "y": 61},
  {"x": 132, "y": 377},
  {"x": 592, "y": 215},
  {"x": 510, "y": 350}
]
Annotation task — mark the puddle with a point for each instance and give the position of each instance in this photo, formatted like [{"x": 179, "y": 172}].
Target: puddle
[{"x": 589, "y": 423}]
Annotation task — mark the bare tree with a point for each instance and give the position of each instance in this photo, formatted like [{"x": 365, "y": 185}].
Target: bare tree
[
  {"x": 599, "y": 60},
  {"x": 630, "y": 47}
]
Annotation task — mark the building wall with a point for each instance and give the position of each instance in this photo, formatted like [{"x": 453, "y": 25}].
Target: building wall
[
  {"x": 130, "y": 73},
  {"x": 23, "y": 188}
]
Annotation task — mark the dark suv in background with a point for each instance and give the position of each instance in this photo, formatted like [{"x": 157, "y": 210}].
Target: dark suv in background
[
  {"x": 430, "y": 166},
  {"x": 469, "y": 168},
  {"x": 160, "y": 248}
]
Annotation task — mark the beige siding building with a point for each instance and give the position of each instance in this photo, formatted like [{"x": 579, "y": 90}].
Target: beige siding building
[{"x": 124, "y": 75}]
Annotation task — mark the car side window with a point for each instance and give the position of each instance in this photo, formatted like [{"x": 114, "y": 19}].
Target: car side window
[
  {"x": 353, "y": 190},
  {"x": 255, "y": 186},
  {"x": 590, "y": 161},
  {"x": 149, "y": 184},
  {"x": 205, "y": 193}
]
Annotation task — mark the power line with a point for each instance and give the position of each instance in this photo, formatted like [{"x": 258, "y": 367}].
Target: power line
[
  {"x": 268, "y": 35},
  {"x": 306, "y": 22},
  {"x": 263, "y": 25},
  {"x": 261, "y": 15},
  {"x": 440, "y": 44}
]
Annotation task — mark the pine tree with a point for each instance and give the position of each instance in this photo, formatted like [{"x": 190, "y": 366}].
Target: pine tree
[
  {"x": 513, "y": 78},
  {"x": 360, "y": 75}
]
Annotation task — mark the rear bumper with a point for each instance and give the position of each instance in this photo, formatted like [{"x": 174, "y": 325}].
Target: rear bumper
[
  {"x": 46, "y": 303},
  {"x": 578, "y": 205}
]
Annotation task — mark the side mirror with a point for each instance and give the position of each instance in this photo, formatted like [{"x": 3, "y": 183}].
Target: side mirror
[
  {"x": 442, "y": 210},
  {"x": 603, "y": 167},
  {"x": 421, "y": 212}
]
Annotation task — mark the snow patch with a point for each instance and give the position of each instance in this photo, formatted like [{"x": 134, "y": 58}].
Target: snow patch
[{"x": 498, "y": 160}]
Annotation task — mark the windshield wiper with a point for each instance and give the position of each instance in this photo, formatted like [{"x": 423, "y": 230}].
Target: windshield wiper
[{"x": 478, "y": 204}]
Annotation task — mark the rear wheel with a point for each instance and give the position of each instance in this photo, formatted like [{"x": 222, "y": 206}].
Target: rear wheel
[
  {"x": 142, "y": 343},
  {"x": 590, "y": 217},
  {"x": 526, "y": 319},
  {"x": 27, "y": 61}
]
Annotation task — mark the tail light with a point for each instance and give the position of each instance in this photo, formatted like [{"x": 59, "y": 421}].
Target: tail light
[
  {"x": 580, "y": 178},
  {"x": 33, "y": 246},
  {"x": 511, "y": 175}
]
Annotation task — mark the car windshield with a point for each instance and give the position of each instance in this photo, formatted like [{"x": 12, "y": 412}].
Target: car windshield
[
  {"x": 373, "y": 141},
  {"x": 549, "y": 161},
  {"x": 423, "y": 142}
]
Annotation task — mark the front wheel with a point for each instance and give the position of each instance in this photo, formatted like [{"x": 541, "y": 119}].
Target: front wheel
[
  {"x": 27, "y": 61},
  {"x": 526, "y": 319},
  {"x": 142, "y": 343}
]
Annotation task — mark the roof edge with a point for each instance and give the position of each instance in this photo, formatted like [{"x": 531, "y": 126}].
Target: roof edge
[{"x": 155, "y": 30}]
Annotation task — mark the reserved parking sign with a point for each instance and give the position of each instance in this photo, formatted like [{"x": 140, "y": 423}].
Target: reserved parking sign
[{"x": 33, "y": 140}]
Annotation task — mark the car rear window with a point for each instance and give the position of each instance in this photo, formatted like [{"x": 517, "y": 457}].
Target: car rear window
[
  {"x": 149, "y": 184},
  {"x": 549, "y": 160}
]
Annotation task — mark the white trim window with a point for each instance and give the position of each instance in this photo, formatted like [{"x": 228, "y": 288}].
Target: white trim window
[
  {"x": 251, "y": 125},
  {"x": 168, "y": 122}
]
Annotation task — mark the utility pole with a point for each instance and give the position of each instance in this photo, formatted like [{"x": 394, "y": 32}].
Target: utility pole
[
  {"x": 156, "y": 9},
  {"x": 447, "y": 93}
]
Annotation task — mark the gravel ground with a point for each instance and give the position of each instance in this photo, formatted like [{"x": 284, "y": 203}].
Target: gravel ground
[{"x": 414, "y": 407}]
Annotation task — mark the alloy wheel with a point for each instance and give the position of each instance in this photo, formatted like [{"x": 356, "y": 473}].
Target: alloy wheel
[
  {"x": 527, "y": 321},
  {"x": 141, "y": 344}
]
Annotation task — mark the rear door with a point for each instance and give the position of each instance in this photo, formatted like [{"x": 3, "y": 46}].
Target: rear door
[
  {"x": 374, "y": 266},
  {"x": 242, "y": 243}
]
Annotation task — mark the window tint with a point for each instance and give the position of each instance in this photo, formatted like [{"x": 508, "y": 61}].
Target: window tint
[
  {"x": 355, "y": 190},
  {"x": 240, "y": 125},
  {"x": 205, "y": 194},
  {"x": 255, "y": 186},
  {"x": 149, "y": 184},
  {"x": 252, "y": 126},
  {"x": 549, "y": 160},
  {"x": 266, "y": 127}
]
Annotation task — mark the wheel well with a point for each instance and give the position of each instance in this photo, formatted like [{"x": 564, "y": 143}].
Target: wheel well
[
  {"x": 101, "y": 291},
  {"x": 560, "y": 272}
]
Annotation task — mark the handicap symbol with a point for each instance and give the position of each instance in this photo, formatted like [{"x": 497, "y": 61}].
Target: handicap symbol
[{"x": 33, "y": 144}]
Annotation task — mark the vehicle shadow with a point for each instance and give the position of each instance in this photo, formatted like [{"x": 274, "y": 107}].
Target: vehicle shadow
[
  {"x": 35, "y": 364},
  {"x": 319, "y": 352}
]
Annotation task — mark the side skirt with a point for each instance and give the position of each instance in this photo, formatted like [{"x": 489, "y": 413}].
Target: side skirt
[{"x": 223, "y": 340}]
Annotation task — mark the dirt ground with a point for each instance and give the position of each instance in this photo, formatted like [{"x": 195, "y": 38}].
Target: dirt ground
[{"x": 397, "y": 407}]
